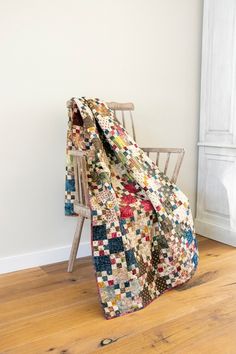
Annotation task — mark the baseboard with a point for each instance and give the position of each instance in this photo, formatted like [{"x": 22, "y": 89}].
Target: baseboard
[
  {"x": 215, "y": 232},
  {"x": 59, "y": 254},
  {"x": 39, "y": 258}
]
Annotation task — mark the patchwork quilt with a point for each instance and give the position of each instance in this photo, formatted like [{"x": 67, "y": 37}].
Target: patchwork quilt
[{"x": 143, "y": 240}]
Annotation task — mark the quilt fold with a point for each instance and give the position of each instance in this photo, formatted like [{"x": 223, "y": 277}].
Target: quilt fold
[{"x": 143, "y": 241}]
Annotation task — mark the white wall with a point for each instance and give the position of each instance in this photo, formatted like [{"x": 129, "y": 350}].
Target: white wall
[{"x": 147, "y": 52}]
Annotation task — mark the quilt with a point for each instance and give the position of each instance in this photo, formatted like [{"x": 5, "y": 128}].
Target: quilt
[{"x": 142, "y": 233}]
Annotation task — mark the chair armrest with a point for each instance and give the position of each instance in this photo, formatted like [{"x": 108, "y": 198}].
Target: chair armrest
[
  {"x": 76, "y": 153},
  {"x": 165, "y": 150}
]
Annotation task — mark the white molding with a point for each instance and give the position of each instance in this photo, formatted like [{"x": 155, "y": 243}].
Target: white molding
[
  {"x": 216, "y": 191},
  {"x": 215, "y": 232},
  {"x": 39, "y": 258},
  {"x": 225, "y": 146}
]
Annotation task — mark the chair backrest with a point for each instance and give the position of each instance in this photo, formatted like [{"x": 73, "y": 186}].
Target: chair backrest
[{"x": 123, "y": 112}]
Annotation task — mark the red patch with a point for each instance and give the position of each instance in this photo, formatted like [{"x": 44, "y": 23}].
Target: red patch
[
  {"x": 126, "y": 212},
  {"x": 131, "y": 188},
  {"x": 147, "y": 205},
  {"x": 128, "y": 199}
]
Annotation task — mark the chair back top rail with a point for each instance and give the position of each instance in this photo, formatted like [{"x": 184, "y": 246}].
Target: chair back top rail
[{"x": 115, "y": 106}]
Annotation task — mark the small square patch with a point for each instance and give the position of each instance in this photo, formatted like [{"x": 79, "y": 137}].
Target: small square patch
[
  {"x": 99, "y": 232},
  {"x": 130, "y": 259},
  {"x": 116, "y": 245},
  {"x": 102, "y": 263}
]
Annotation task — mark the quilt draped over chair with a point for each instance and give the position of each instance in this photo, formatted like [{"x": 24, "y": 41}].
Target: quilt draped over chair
[{"x": 142, "y": 240}]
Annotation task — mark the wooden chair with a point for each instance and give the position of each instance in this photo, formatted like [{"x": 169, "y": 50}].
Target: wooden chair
[{"x": 81, "y": 203}]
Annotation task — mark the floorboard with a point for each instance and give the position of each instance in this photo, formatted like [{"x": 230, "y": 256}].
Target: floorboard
[{"x": 47, "y": 310}]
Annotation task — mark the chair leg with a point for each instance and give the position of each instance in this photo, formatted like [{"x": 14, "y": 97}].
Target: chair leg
[{"x": 75, "y": 244}]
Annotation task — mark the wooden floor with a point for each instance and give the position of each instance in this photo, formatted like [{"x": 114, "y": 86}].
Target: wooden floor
[{"x": 47, "y": 310}]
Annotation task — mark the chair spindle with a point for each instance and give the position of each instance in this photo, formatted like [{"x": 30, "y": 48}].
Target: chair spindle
[{"x": 167, "y": 162}]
